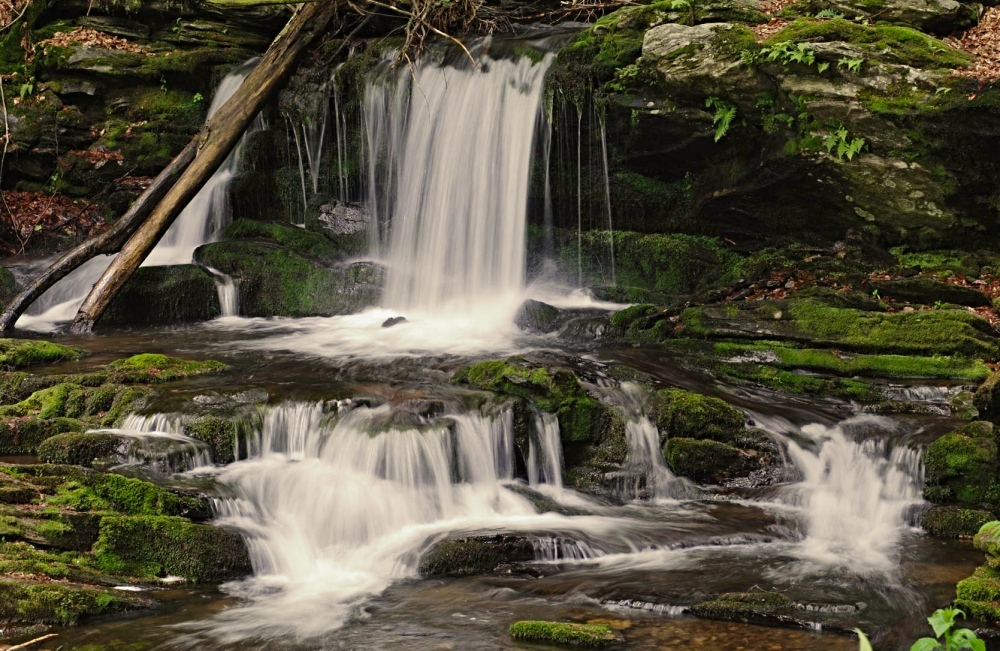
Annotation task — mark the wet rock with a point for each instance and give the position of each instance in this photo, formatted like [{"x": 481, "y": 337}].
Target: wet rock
[
  {"x": 8, "y": 285},
  {"x": 156, "y": 546},
  {"x": 961, "y": 467},
  {"x": 78, "y": 448},
  {"x": 774, "y": 609},
  {"x": 475, "y": 555},
  {"x": 707, "y": 461},
  {"x": 962, "y": 405},
  {"x": 395, "y": 320},
  {"x": 536, "y": 316},
  {"x": 681, "y": 413},
  {"x": 930, "y": 292},
  {"x": 163, "y": 296},
  {"x": 941, "y": 17},
  {"x": 987, "y": 398},
  {"x": 21, "y": 353},
  {"x": 954, "y": 521},
  {"x": 342, "y": 219}
]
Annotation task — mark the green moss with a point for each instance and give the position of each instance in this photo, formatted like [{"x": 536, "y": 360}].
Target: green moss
[
  {"x": 23, "y": 435},
  {"x": 8, "y": 285},
  {"x": 962, "y": 466},
  {"x": 983, "y": 585},
  {"x": 564, "y": 634},
  {"x": 77, "y": 448},
  {"x": 686, "y": 414},
  {"x": 59, "y": 603},
  {"x": 765, "y": 608},
  {"x": 305, "y": 243},
  {"x": 886, "y": 366},
  {"x": 902, "y": 44},
  {"x": 704, "y": 461},
  {"x": 153, "y": 368},
  {"x": 581, "y": 418},
  {"x": 984, "y": 611},
  {"x": 987, "y": 539},
  {"x": 954, "y": 522},
  {"x": 152, "y": 546},
  {"x": 21, "y": 353},
  {"x": 218, "y": 432},
  {"x": 987, "y": 398}
]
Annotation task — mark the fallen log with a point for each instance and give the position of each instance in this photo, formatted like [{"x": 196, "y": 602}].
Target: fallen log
[
  {"x": 110, "y": 241},
  {"x": 214, "y": 143}
]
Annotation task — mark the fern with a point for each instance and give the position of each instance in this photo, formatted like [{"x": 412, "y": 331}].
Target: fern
[
  {"x": 723, "y": 118},
  {"x": 854, "y": 65}
]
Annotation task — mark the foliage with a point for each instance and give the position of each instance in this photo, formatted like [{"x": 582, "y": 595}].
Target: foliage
[
  {"x": 845, "y": 146},
  {"x": 786, "y": 53},
  {"x": 587, "y": 635},
  {"x": 854, "y": 65},
  {"x": 723, "y": 118},
  {"x": 943, "y": 623}
]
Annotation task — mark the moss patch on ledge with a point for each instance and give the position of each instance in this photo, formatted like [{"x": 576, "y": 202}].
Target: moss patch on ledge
[
  {"x": 565, "y": 634},
  {"x": 21, "y": 353},
  {"x": 152, "y": 368}
]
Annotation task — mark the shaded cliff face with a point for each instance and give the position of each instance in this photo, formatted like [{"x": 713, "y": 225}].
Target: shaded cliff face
[{"x": 795, "y": 126}]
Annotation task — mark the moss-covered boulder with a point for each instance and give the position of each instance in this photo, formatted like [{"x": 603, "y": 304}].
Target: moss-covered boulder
[
  {"x": 61, "y": 603},
  {"x": 961, "y": 466},
  {"x": 553, "y": 390},
  {"x": 157, "y": 546},
  {"x": 685, "y": 414},
  {"x": 987, "y": 398},
  {"x": 163, "y": 296},
  {"x": 23, "y": 434},
  {"x": 763, "y": 608},
  {"x": 78, "y": 448},
  {"x": 153, "y": 368},
  {"x": 21, "y": 353},
  {"x": 475, "y": 555},
  {"x": 276, "y": 281},
  {"x": 707, "y": 461},
  {"x": 592, "y": 636},
  {"x": 954, "y": 521}
]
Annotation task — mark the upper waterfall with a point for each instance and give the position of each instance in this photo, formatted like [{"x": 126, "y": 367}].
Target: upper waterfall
[{"x": 457, "y": 190}]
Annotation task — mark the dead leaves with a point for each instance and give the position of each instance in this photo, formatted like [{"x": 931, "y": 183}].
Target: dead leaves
[
  {"x": 31, "y": 214},
  {"x": 91, "y": 38},
  {"x": 769, "y": 29},
  {"x": 983, "y": 42}
]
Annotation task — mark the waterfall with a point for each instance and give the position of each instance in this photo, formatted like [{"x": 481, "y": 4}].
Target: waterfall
[
  {"x": 545, "y": 453},
  {"x": 460, "y": 192},
  {"x": 607, "y": 200},
  {"x": 335, "y": 507},
  {"x": 228, "y": 292},
  {"x": 201, "y": 221},
  {"x": 857, "y": 495},
  {"x": 208, "y": 213},
  {"x": 158, "y": 442}
]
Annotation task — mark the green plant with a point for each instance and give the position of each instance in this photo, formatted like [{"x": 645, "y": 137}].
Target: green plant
[
  {"x": 943, "y": 623},
  {"x": 854, "y": 65},
  {"x": 844, "y": 145},
  {"x": 829, "y": 13},
  {"x": 786, "y": 52},
  {"x": 686, "y": 5},
  {"x": 875, "y": 295},
  {"x": 863, "y": 643},
  {"x": 938, "y": 305},
  {"x": 723, "y": 118}
]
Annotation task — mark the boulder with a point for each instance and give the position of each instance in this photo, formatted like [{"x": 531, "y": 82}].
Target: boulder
[
  {"x": 535, "y": 316},
  {"x": 164, "y": 296},
  {"x": 475, "y": 555}
]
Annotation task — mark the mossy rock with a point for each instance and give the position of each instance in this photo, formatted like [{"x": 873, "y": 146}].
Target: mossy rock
[
  {"x": 984, "y": 611},
  {"x": 954, "y": 521},
  {"x": 987, "y": 539},
  {"x": 156, "y": 296},
  {"x": 308, "y": 244},
  {"x": 218, "y": 432},
  {"x": 556, "y": 390},
  {"x": 594, "y": 636},
  {"x": 276, "y": 281},
  {"x": 65, "y": 604},
  {"x": 80, "y": 449},
  {"x": 962, "y": 466},
  {"x": 8, "y": 285},
  {"x": 987, "y": 398},
  {"x": 21, "y": 353},
  {"x": 983, "y": 585},
  {"x": 151, "y": 368},
  {"x": 706, "y": 461},
  {"x": 925, "y": 291},
  {"x": 23, "y": 435},
  {"x": 105, "y": 405},
  {"x": 155, "y": 546},
  {"x": 761, "y": 608},
  {"x": 535, "y": 316},
  {"x": 642, "y": 322},
  {"x": 685, "y": 414},
  {"x": 963, "y": 406},
  {"x": 475, "y": 555},
  {"x": 927, "y": 332}
]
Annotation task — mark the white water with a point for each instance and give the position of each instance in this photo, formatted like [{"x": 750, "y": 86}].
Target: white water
[
  {"x": 201, "y": 222},
  {"x": 857, "y": 495},
  {"x": 228, "y": 292},
  {"x": 545, "y": 453},
  {"x": 158, "y": 442},
  {"x": 458, "y": 226},
  {"x": 336, "y": 508}
]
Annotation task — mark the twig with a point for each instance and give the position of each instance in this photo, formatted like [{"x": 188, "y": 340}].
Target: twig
[
  {"x": 16, "y": 18},
  {"x": 426, "y": 24},
  {"x": 25, "y": 645}
]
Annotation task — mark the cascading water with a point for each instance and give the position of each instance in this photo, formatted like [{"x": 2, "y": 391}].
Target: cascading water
[
  {"x": 545, "y": 453},
  {"x": 461, "y": 192},
  {"x": 333, "y": 513},
  {"x": 201, "y": 221},
  {"x": 857, "y": 495}
]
